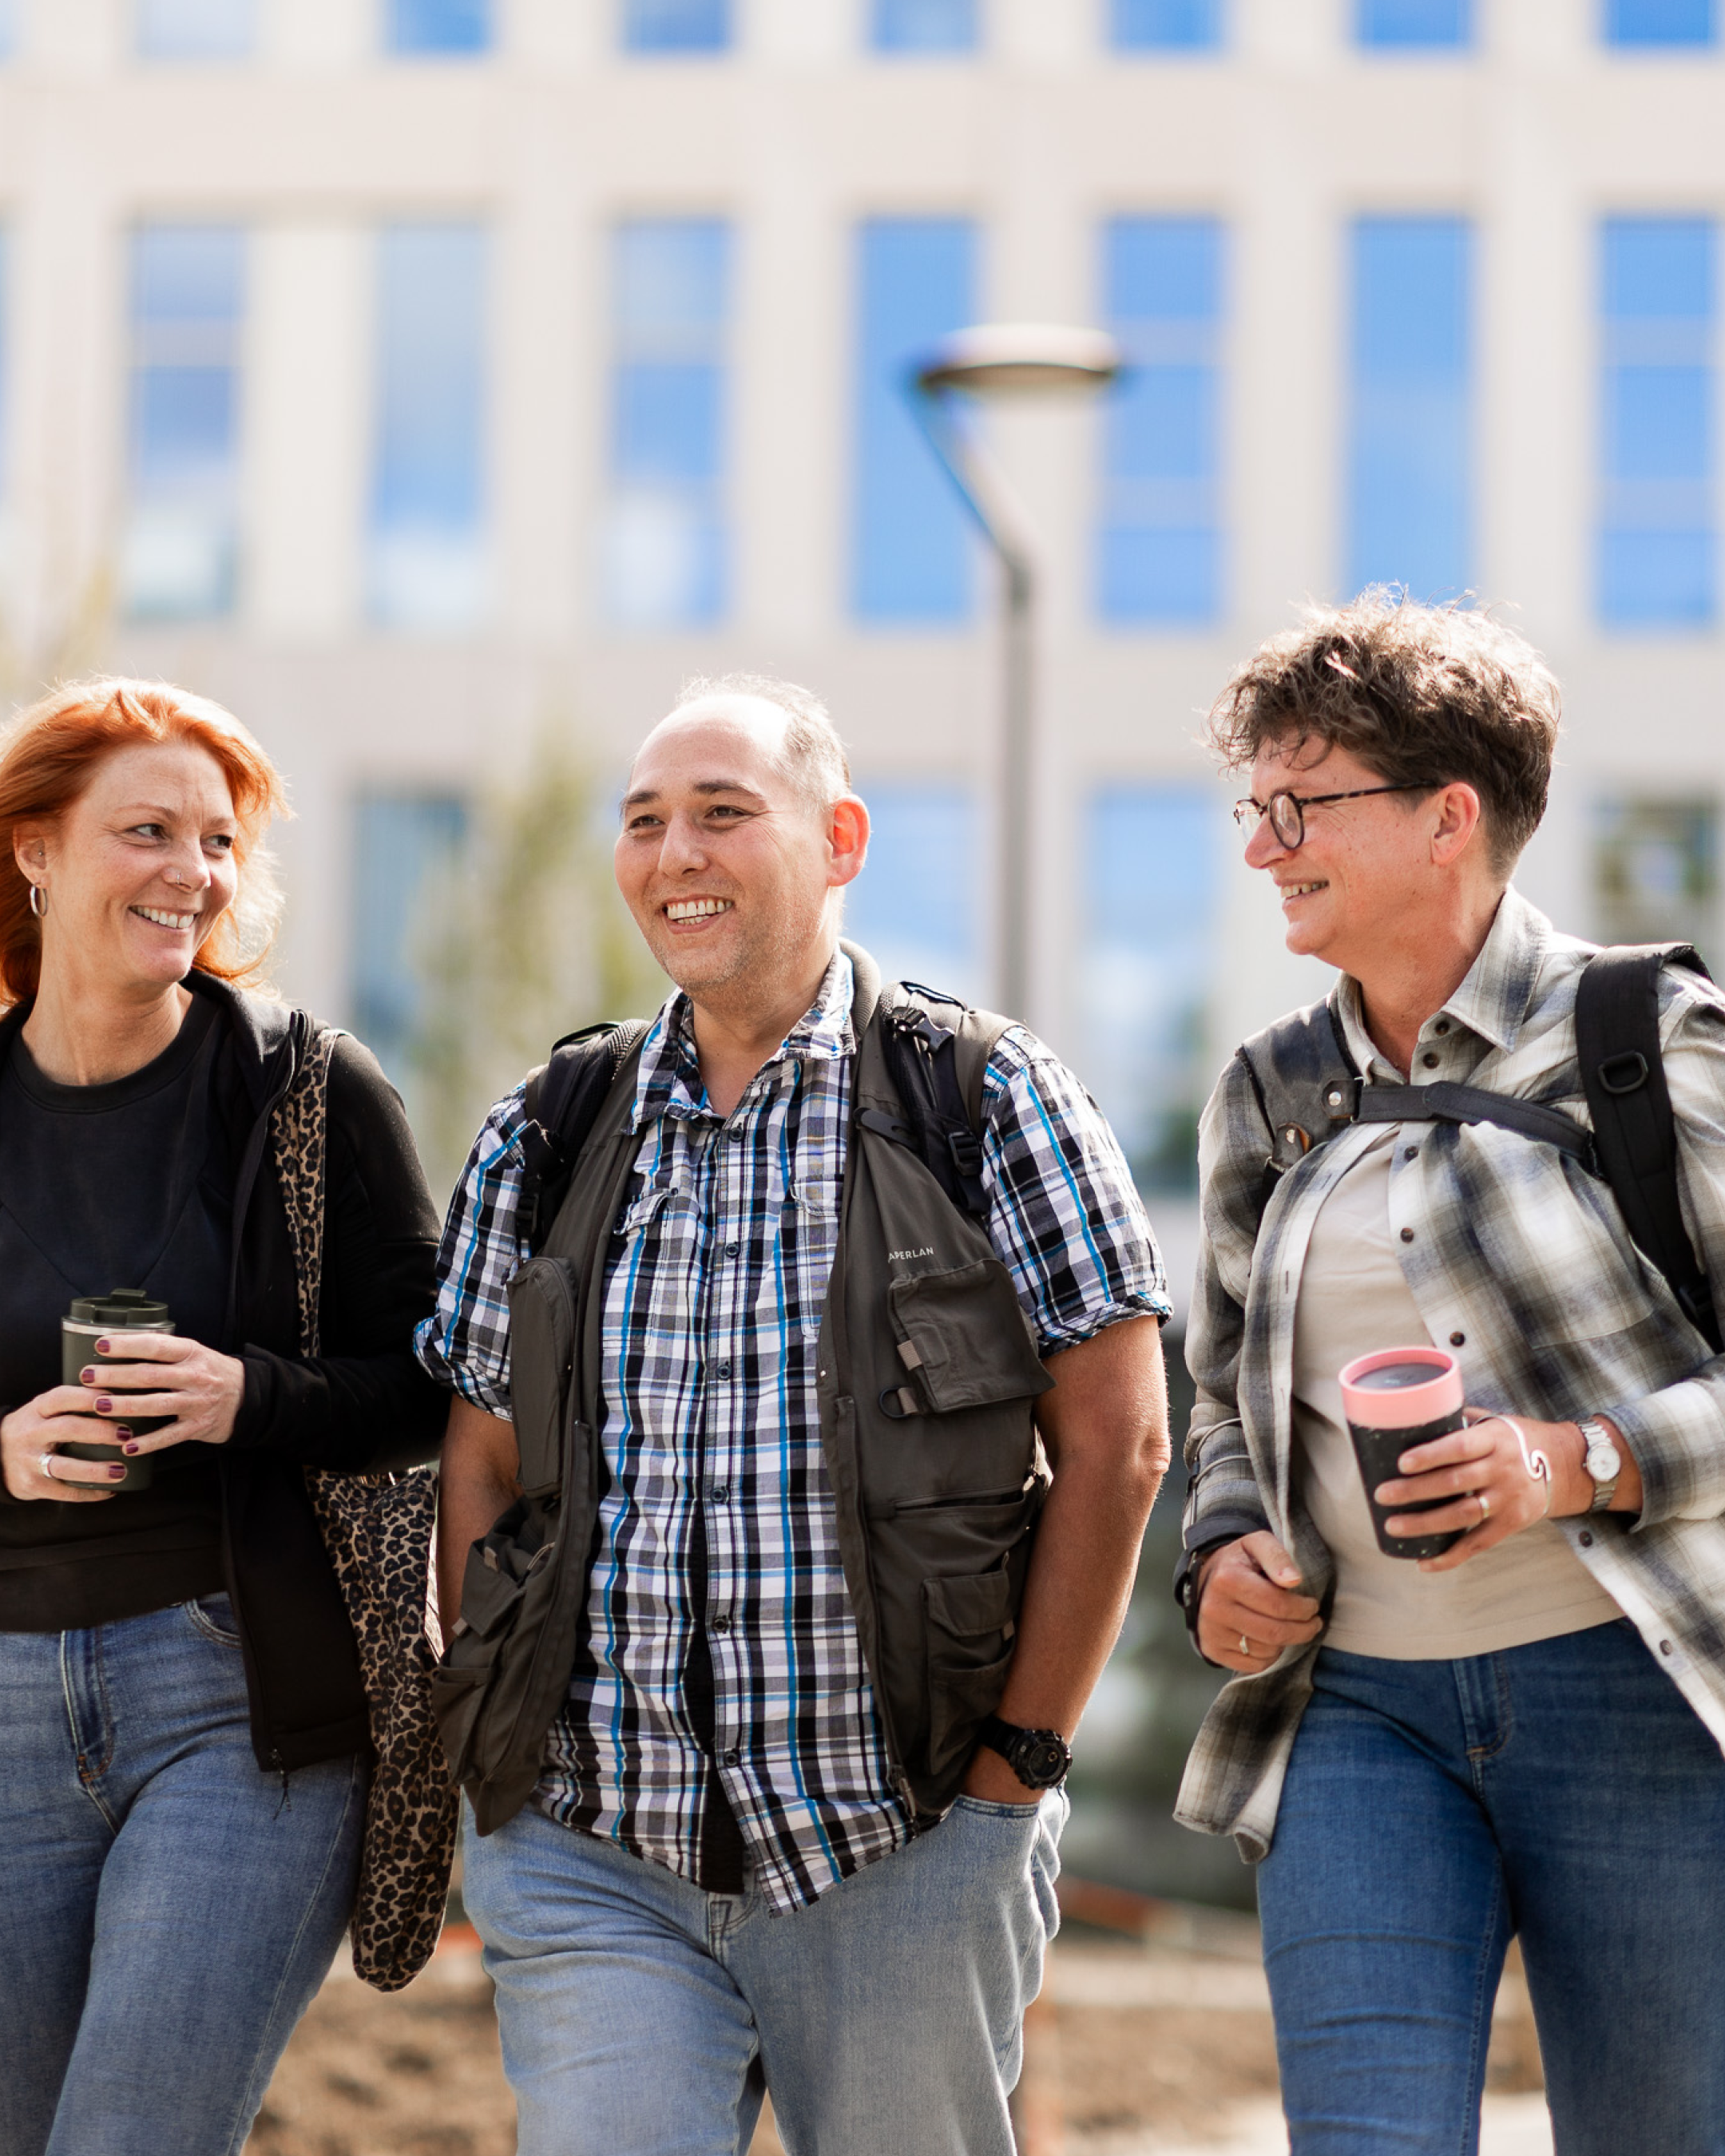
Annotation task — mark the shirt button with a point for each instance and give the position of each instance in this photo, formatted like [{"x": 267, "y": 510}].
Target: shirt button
[
  {"x": 1458, "y": 1340},
  {"x": 733, "y": 1757},
  {"x": 722, "y": 1495},
  {"x": 1407, "y": 1237},
  {"x": 1430, "y": 1060},
  {"x": 724, "y": 1370},
  {"x": 731, "y": 1249},
  {"x": 721, "y": 1623},
  {"x": 1585, "y": 1539},
  {"x": 1412, "y": 1153},
  {"x": 1666, "y": 1648},
  {"x": 735, "y": 1137},
  {"x": 1442, "y": 1026}
]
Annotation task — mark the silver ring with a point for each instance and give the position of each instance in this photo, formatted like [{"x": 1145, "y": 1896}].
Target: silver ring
[
  {"x": 45, "y": 1466},
  {"x": 1484, "y": 1507},
  {"x": 1245, "y": 1647}
]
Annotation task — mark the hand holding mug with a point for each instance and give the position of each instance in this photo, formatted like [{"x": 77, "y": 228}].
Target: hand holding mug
[{"x": 191, "y": 1391}]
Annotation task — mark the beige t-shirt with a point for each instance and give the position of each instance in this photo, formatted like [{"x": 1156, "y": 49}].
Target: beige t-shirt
[{"x": 1353, "y": 1299}]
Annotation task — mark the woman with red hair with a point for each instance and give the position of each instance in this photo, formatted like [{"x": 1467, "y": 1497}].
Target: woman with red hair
[{"x": 185, "y": 1730}]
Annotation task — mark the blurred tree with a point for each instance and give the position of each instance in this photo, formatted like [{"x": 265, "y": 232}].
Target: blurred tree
[{"x": 527, "y": 940}]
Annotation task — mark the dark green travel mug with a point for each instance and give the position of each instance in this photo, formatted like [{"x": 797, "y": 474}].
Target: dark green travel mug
[{"x": 97, "y": 1317}]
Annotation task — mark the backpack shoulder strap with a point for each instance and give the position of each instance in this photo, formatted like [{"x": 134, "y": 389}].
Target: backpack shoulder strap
[
  {"x": 1635, "y": 1131},
  {"x": 937, "y": 1051},
  {"x": 1305, "y": 1084},
  {"x": 561, "y": 1100}
]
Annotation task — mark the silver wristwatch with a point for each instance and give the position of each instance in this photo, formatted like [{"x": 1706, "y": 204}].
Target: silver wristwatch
[{"x": 1604, "y": 1463}]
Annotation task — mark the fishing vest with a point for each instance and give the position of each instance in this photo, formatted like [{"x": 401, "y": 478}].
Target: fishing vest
[{"x": 927, "y": 1371}]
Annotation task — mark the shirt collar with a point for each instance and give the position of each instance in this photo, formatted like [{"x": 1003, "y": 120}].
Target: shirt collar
[
  {"x": 1494, "y": 993},
  {"x": 670, "y": 1082}
]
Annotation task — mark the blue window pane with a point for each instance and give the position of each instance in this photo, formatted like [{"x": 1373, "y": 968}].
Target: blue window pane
[
  {"x": 1413, "y": 23},
  {"x": 923, "y": 26},
  {"x": 186, "y": 301},
  {"x": 408, "y": 857},
  {"x": 912, "y": 560},
  {"x": 1658, "y": 535},
  {"x": 1159, "y": 552},
  {"x": 196, "y": 29},
  {"x": 439, "y": 26},
  {"x": 1409, "y": 418},
  {"x": 665, "y": 539},
  {"x": 1661, "y": 21},
  {"x": 1164, "y": 25},
  {"x": 8, "y": 28},
  {"x": 426, "y": 537},
  {"x": 1153, "y": 862},
  {"x": 676, "y": 26},
  {"x": 914, "y": 906}
]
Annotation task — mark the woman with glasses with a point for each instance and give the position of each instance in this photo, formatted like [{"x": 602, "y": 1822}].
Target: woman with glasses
[{"x": 1518, "y": 1735}]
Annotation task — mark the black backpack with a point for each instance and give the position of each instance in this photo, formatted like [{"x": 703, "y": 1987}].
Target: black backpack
[
  {"x": 565, "y": 1095},
  {"x": 1308, "y": 1089}
]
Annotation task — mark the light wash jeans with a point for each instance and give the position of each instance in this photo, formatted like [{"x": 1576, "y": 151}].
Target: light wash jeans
[
  {"x": 1564, "y": 1791},
  {"x": 167, "y": 1909},
  {"x": 640, "y": 2015}
]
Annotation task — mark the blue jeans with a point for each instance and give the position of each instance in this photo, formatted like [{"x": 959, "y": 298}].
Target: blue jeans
[
  {"x": 166, "y": 1910},
  {"x": 1565, "y": 1793},
  {"x": 641, "y": 2015}
]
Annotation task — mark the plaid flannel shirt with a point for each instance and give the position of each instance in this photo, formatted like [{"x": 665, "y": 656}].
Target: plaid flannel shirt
[
  {"x": 1519, "y": 1261},
  {"x": 714, "y": 1290}
]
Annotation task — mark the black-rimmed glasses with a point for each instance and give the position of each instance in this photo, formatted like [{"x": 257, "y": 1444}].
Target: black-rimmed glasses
[{"x": 1287, "y": 811}]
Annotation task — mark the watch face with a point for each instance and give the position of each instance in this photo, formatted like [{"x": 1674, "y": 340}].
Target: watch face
[
  {"x": 1604, "y": 1459},
  {"x": 1041, "y": 1762}
]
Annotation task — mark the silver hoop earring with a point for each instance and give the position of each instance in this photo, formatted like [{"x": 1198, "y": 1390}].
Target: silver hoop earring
[{"x": 39, "y": 902}]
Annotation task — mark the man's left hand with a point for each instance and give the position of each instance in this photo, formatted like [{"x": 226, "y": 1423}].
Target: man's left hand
[{"x": 991, "y": 1781}]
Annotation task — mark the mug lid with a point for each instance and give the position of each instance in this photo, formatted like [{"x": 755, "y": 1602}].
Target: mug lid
[
  {"x": 126, "y": 1309},
  {"x": 1408, "y": 1401}
]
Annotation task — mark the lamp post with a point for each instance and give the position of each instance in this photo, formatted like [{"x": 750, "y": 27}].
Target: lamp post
[{"x": 1007, "y": 359}]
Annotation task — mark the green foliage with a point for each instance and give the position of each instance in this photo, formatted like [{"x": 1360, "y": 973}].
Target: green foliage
[{"x": 525, "y": 941}]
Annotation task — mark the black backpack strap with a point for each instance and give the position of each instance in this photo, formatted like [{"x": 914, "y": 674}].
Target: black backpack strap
[
  {"x": 936, "y": 1058},
  {"x": 1635, "y": 1131},
  {"x": 562, "y": 1097},
  {"x": 1471, "y": 1104},
  {"x": 1305, "y": 1084}
]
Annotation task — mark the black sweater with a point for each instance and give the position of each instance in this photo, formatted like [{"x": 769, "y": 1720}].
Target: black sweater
[{"x": 362, "y": 1403}]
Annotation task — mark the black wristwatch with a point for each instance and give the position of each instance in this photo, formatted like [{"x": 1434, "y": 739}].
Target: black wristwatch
[{"x": 1039, "y": 1758}]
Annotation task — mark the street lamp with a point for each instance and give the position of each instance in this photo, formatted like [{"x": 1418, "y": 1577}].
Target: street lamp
[{"x": 1002, "y": 359}]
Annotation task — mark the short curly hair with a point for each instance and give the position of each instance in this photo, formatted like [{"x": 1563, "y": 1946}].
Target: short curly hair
[{"x": 1424, "y": 695}]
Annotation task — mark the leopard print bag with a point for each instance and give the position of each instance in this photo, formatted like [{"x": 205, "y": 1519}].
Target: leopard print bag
[{"x": 378, "y": 1529}]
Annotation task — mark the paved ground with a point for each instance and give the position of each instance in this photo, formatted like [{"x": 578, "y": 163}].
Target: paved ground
[{"x": 1156, "y": 2049}]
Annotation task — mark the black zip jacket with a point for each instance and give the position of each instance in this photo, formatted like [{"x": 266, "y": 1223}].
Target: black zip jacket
[{"x": 363, "y": 1403}]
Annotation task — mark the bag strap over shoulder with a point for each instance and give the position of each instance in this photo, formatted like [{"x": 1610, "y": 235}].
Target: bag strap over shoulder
[
  {"x": 937, "y": 1051},
  {"x": 563, "y": 1097},
  {"x": 299, "y": 1137},
  {"x": 1635, "y": 1131}
]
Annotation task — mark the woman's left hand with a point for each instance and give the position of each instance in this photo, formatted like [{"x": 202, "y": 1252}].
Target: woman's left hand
[
  {"x": 166, "y": 1376},
  {"x": 1491, "y": 1472}
]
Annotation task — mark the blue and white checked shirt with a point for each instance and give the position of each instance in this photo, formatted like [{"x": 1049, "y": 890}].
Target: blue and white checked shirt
[{"x": 713, "y": 1298}]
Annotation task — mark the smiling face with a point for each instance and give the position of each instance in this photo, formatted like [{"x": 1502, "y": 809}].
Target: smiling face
[
  {"x": 137, "y": 871},
  {"x": 729, "y": 868},
  {"x": 1368, "y": 870}
]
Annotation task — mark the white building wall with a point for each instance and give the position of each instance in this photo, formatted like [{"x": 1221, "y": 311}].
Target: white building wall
[{"x": 796, "y": 137}]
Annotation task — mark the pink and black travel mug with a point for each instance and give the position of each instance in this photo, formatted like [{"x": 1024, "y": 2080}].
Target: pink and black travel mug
[{"x": 1395, "y": 1398}]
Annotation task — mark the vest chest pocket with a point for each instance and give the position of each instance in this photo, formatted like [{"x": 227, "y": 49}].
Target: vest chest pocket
[{"x": 963, "y": 1338}]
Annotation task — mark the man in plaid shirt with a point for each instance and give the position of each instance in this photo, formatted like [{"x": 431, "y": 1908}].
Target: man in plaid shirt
[{"x": 716, "y": 1884}]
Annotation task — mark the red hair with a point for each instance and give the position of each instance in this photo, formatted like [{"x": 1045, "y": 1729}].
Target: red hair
[{"x": 49, "y": 756}]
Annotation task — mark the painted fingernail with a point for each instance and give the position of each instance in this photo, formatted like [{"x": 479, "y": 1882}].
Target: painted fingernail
[
  {"x": 87, "y": 1375},
  {"x": 122, "y": 1430},
  {"x": 104, "y": 1405},
  {"x": 118, "y": 1470},
  {"x": 105, "y": 1347},
  {"x": 130, "y": 1449}
]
